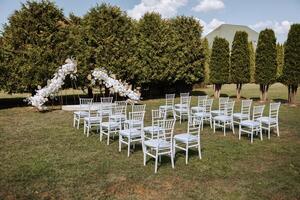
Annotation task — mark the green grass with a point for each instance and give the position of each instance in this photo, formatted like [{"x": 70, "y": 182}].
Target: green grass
[{"x": 43, "y": 157}]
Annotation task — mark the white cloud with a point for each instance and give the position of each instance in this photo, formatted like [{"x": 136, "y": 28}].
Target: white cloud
[
  {"x": 167, "y": 8},
  {"x": 281, "y": 29},
  {"x": 209, "y": 5},
  {"x": 208, "y": 27}
]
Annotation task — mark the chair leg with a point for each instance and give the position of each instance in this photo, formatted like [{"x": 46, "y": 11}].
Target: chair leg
[
  {"x": 108, "y": 137},
  {"x": 78, "y": 122},
  {"x": 84, "y": 127},
  {"x": 120, "y": 143},
  {"x": 128, "y": 148},
  {"x": 156, "y": 160},
  {"x": 186, "y": 154},
  {"x": 240, "y": 132},
  {"x": 145, "y": 157},
  {"x": 224, "y": 128},
  {"x": 232, "y": 126},
  {"x": 199, "y": 150},
  {"x": 101, "y": 133},
  {"x": 252, "y": 135},
  {"x": 269, "y": 132},
  {"x": 277, "y": 130},
  {"x": 172, "y": 159},
  {"x": 74, "y": 121},
  {"x": 214, "y": 125}
]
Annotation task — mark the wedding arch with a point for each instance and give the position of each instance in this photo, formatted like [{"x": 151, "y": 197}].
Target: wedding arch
[{"x": 70, "y": 68}]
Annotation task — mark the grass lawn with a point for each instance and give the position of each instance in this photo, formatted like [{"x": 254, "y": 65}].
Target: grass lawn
[{"x": 43, "y": 157}]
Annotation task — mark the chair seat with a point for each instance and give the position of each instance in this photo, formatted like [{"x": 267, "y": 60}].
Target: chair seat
[
  {"x": 217, "y": 112},
  {"x": 240, "y": 116},
  {"x": 223, "y": 118},
  {"x": 250, "y": 123},
  {"x": 93, "y": 119},
  {"x": 152, "y": 129},
  {"x": 118, "y": 117},
  {"x": 185, "y": 138},
  {"x": 197, "y": 109},
  {"x": 160, "y": 143},
  {"x": 132, "y": 132},
  {"x": 181, "y": 105},
  {"x": 165, "y": 107},
  {"x": 133, "y": 122},
  {"x": 182, "y": 110},
  {"x": 104, "y": 112},
  {"x": 202, "y": 114},
  {"x": 267, "y": 120},
  {"x": 81, "y": 113},
  {"x": 110, "y": 125}
]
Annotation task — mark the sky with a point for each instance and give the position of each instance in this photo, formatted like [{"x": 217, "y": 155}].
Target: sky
[{"x": 257, "y": 14}]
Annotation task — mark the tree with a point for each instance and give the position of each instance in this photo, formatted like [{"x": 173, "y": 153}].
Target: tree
[
  {"x": 252, "y": 62},
  {"x": 240, "y": 61},
  {"x": 35, "y": 38},
  {"x": 188, "y": 56},
  {"x": 207, "y": 52},
  {"x": 219, "y": 64},
  {"x": 279, "y": 59},
  {"x": 108, "y": 35},
  {"x": 265, "y": 61},
  {"x": 291, "y": 69}
]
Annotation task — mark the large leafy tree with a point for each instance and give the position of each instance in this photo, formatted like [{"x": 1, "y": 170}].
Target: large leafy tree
[
  {"x": 154, "y": 43},
  {"x": 34, "y": 39},
  {"x": 240, "y": 61},
  {"x": 108, "y": 41},
  {"x": 265, "y": 61},
  {"x": 188, "y": 56},
  {"x": 219, "y": 64},
  {"x": 291, "y": 70}
]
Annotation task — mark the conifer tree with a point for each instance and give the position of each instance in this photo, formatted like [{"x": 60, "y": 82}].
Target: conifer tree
[
  {"x": 279, "y": 59},
  {"x": 240, "y": 61},
  {"x": 207, "y": 52},
  {"x": 291, "y": 69},
  {"x": 252, "y": 62},
  {"x": 34, "y": 35},
  {"x": 219, "y": 64},
  {"x": 265, "y": 61}
]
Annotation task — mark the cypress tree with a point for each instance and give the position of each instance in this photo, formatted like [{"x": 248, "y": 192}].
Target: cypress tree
[
  {"x": 291, "y": 69},
  {"x": 35, "y": 36},
  {"x": 279, "y": 59},
  {"x": 252, "y": 62},
  {"x": 265, "y": 61},
  {"x": 207, "y": 52},
  {"x": 240, "y": 61},
  {"x": 219, "y": 64}
]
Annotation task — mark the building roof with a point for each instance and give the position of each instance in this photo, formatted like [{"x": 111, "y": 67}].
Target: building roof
[{"x": 227, "y": 31}]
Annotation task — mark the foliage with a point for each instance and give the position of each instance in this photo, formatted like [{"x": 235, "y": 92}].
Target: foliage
[
  {"x": 34, "y": 38},
  {"x": 240, "y": 59},
  {"x": 291, "y": 69},
  {"x": 207, "y": 52},
  {"x": 252, "y": 62},
  {"x": 219, "y": 61},
  {"x": 265, "y": 61},
  {"x": 279, "y": 59}
]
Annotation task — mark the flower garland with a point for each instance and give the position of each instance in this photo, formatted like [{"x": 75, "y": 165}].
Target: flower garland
[
  {"x": 41, "y": 96},
  {"x": 114, "y": 85}
]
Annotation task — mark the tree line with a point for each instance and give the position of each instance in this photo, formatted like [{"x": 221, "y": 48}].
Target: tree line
[
  {"x": 268, "y": 64},
  {"x": 159, "y": 55}
]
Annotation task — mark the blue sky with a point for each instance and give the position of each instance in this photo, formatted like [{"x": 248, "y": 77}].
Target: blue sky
[{"x": 258, "y": 14}]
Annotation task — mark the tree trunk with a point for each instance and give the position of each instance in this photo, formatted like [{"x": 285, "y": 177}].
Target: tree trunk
[
  {"x": 90, "y": 92},
  {"x": 292, "y": 94},
  {"x": 263, "y": 89},
  {"x": 238, "y": 90},
  {"x": 217, "y": 88},
  {"x": 266, "y": 92}
]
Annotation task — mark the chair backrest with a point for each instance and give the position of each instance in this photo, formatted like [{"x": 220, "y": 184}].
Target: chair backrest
[
  {"x": 229, "y": 107},
  {"x": 184, "y": 94},
  {"x": 106, "y": 109},
  {"x": 194, "y": 125},
  {"x": 106, "y": 99},
  {"x": 246, "y": 106},
  {"x": 201, "y": 100},
  {"x": 208, "y": 105},
  {"x": 121, "y": 103},
  {"x": 138, "y": 108},
  {"x": 222, "y": 102},
  {"x": 185, "y": 100},
  {"x": 84, "y": 103},
  {"x": 158, "y": 115},
  {"x": 170, "y": 99},
  {"x": 274, "y": 110},
  {"x": 258, "y": 111},
  {"x": 119, "y": 110},
  {"x": 167, "y": 126}
]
